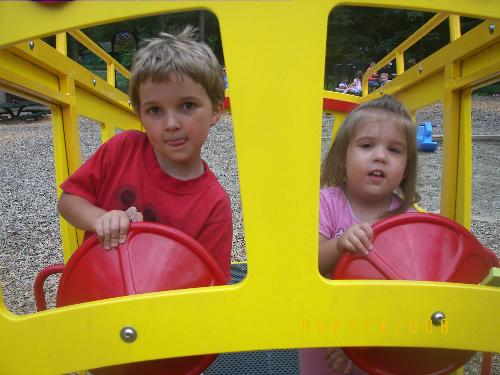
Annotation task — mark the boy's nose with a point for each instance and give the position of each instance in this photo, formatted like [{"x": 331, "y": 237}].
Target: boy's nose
[{"x": 171, "y": 122}]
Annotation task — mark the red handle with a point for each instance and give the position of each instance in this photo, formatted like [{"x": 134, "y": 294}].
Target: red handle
[{"x": 39, "y": 291}]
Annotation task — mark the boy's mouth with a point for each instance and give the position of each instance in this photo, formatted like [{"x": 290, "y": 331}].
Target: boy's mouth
[{"x": 176, "y": 142}]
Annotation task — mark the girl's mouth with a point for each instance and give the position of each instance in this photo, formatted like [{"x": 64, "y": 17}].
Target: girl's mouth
[{"x": 376, "y": 173}]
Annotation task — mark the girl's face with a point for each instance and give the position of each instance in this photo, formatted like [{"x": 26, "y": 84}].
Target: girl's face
[{"x": 375, "y": 161}]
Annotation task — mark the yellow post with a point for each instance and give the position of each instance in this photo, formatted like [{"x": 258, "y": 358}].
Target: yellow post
[
  {"x": 451, "y": 106},
  {"x": 111, "y": 74},
  {"x": 455, "y": 31},
  {"x": 68, "y": 232},
  {"x": 71, "y": 137},
  {"x": 464, "y": 168},
  {"x": 62, "y": 43},
  {"x": 400, "y": 62}
]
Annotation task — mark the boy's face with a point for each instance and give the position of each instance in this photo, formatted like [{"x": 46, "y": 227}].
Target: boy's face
[{"x": 177, "y": 115}]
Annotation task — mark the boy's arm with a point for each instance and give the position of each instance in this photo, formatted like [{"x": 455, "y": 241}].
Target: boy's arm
[
  {"x": 79, "y": 212},
  {"x": 111, "y": 227}
]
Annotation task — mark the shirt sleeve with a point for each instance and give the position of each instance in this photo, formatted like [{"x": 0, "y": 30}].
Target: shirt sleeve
[
  {"x": 326, "y": 215},
  {"x": 87, "y": 180}
]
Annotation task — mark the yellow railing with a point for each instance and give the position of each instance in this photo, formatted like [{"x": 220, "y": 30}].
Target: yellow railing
[
  {"x": 111, "y": 64},
  {"x": 398, "y": 52}
]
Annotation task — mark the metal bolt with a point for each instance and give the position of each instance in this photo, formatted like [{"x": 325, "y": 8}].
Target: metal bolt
[
  {"x": 381, "y": 92},
  {"x": 128, "y": 334},
  {"x": 437, "y": 318},
  {"x": 491, "y": 28},
  {"x": 129, "y": 103},
  {"x": 420, "y": 69},
  {"x": 94, "y": 82},
  {"x": 31, "y": 44}
]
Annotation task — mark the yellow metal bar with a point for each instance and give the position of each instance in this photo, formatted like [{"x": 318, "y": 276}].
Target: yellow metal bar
[
  {"x": 400, "y": 62},
  {"x": 398, "y": 52},
  {"x": 422, "y": 31},
  {"x": 98, "y": 51},
  {"x": 10, "y": 78},
  {"x": 110, "y": 74},
  {"x": 49, "y": 59},
  {"x": 476, "y": 78},
  {"x": 464, "y": 169},
  {"x": 68, "y": 232},
  {"x": 62, "y": 43},
  {"x": 451, "y": 108},
  {"x": 286, "y": 320},
  {"x": 455, "y": 30}
]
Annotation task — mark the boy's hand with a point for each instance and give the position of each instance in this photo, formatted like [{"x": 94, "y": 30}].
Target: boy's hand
[
  {"x": 338, "y": 361},
  {"x": 112, "y": 228},
  {"x": 356, "y": 239}
]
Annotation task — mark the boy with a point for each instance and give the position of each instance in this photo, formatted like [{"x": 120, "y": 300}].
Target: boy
[{"x": 177, "y": 90}]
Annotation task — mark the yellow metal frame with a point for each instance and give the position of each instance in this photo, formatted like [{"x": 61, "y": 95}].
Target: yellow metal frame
[{"x": 274, "y": 307}]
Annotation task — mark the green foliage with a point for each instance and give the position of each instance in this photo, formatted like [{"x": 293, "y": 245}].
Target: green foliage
[{"x": 493, "y": 89}]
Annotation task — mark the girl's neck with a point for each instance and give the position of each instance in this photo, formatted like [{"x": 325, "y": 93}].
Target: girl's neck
[{"x": 368, "y": 211}]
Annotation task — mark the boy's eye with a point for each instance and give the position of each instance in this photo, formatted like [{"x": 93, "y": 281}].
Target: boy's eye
[
  {"x": 188, "y": 106},
  {"x": 153, "y": 110}
]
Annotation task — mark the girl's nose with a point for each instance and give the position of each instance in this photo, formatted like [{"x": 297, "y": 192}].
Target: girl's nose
[{"x": 380, "y": 154}]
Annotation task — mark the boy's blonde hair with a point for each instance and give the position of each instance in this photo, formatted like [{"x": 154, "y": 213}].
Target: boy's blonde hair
[
  {"x": 388, "y": 109},
  {"x": 181, "y": 54}
]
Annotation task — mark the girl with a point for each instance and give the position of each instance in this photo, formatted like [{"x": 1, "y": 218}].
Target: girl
[{"x": 369, "y": 173}]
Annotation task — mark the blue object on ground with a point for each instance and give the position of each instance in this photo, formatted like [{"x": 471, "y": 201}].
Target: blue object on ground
[{"x": 424, "y": 137}]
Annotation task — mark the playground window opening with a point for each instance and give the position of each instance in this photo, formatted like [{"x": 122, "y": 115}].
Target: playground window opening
[{"x": 359, "y": 36}]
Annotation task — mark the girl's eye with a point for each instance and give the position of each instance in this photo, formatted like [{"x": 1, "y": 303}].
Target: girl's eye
[
  {"x": 365, "y": 145},
  {"x": 396, "y": 150}
]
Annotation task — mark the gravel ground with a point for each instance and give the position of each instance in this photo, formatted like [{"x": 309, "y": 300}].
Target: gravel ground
[{"x": 29, "y": 230}]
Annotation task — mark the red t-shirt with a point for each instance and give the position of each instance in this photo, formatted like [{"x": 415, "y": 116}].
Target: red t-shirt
[{"x": 124, "y": 172}]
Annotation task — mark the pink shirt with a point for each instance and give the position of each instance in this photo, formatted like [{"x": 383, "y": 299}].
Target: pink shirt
[{"x": 335, "y": 216}]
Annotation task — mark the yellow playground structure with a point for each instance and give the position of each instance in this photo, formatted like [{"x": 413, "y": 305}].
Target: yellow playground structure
[{"x": 271, "y": 108}]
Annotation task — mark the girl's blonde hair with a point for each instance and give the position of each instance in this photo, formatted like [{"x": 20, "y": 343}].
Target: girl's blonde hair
[
  {"x": 181, "y": 54},
  {"x": 387, "y": 109}
]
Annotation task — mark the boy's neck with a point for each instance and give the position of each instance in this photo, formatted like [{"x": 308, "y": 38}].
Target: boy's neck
[{"x": 182, "y": 172}]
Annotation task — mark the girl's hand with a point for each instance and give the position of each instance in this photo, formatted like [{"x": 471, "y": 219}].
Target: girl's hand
[
  {"x": 338, "y": 361},
  {"x": 112, "y": 228},
  {"x": 356, "y": 239}
]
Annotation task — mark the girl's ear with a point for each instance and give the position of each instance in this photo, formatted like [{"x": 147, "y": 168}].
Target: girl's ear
[{"x": 217, "y": 110}]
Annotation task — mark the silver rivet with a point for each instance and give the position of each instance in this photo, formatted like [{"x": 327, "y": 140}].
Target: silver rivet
[
  {"x": 420, "y": 69},
  {"x": 94, "y": 82},
  {"x": 128, "y": 334},
  {"x": 491, "y": 28},
  {"x": 31, "y": 44},
  {"x": 437, "y": 318}
]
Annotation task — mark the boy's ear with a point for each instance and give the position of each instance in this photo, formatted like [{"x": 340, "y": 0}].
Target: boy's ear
[{"x": 217, "y": 110}]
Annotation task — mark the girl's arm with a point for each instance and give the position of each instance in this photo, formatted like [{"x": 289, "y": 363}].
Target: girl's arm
[
  {"x": 328, "y": 256},
  {"x": 357, "y": 239}
]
